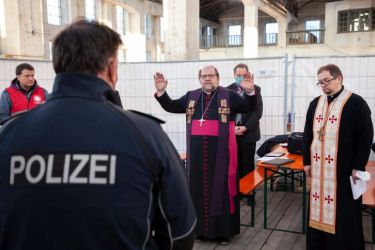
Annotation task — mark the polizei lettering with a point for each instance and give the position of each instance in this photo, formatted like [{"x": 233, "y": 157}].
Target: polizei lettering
[{"x": 62, "y": 169}]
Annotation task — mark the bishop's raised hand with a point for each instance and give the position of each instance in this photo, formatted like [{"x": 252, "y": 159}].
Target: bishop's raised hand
[{"x": 160, "y": 82}]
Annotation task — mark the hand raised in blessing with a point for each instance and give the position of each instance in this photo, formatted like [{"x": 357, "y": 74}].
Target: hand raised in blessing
[
  {"x": 160, "y": 82},
  {"x": 247, "y": 84}
]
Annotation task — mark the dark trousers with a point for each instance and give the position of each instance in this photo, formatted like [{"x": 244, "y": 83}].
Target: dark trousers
[
  {"x": 319, "y": 240},
  {"x": 245, "y": 154},
  {"x": 346, "y": 237}
]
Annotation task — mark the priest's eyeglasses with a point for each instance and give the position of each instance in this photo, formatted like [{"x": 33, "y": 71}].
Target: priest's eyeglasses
[
  {"x": 210, "y": 76},
  {"x": 325, "y": 81}
]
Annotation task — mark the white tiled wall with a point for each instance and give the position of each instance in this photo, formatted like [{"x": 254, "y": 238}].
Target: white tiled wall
[
  {"x": 137, "y": 93},
  {"x": 136, "y": 86}
]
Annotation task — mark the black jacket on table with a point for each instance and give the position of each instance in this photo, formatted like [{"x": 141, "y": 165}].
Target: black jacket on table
[
  {"x": 81, "y": 173},
  {"x": 251, "y": 120}
]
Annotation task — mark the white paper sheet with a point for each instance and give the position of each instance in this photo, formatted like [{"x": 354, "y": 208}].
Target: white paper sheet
[
  {"x": 264, "y": 158},
  {"x": 361, "y": 185}
]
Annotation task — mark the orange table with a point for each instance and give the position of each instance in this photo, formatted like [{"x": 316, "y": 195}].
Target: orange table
[
  {"x": 368, "y": 198},
  {"x": 294, "y": 168},
  {"x": 248, "y": 184}
]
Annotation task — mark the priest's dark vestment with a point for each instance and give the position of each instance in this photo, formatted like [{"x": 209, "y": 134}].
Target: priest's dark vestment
[
  {"x": 353, "y": 148},
  {"x": 215, "y": 219}
]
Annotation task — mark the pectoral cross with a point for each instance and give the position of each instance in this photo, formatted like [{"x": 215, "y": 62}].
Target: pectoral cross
[
  {"x": 201, "y": 121},
  {"x": 321, "y": 134}
]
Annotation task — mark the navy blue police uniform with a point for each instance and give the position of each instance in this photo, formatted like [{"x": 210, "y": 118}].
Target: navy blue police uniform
[{"x": 81, "y": 173}]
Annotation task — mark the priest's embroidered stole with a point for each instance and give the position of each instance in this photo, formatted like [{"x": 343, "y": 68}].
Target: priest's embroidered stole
[
  {"x": 190, "y": 111},
  {"x": 324, "y": 146},
  {"x": 224, "y": 111}
]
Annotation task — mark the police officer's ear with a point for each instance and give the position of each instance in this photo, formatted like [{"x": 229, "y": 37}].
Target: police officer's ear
[
  {"x": 109, "y": 74},
  {"x": 112, "y": 71}
]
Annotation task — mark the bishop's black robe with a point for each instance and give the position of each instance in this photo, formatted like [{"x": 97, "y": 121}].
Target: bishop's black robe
[
  {"x": 201, "y": 171},
  {"x": 354, "y": 143}
]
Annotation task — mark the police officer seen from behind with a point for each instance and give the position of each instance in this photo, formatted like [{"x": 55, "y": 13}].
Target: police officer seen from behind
[
  {"x": 81, "y": 173},
  {"x": 23, "y": 93}
]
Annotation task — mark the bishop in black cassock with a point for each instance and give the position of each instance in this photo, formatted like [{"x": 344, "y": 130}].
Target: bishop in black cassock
[
  {"x": 211, "y": 149},
  {"x": 338, "y": 135}
]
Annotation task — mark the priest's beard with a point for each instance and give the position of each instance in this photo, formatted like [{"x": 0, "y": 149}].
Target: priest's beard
[
  {"x": 328, "y": 92},
  {"x": 331, "y": 90}
]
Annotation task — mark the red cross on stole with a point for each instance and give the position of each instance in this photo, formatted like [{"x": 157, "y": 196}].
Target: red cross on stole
[
  {"x": 319, "y": 118},
  {"x": 329, "y": 199},
  {"x": 315, "y": 196},
  {"x": 329, "y": 159},
  {"x": 332, "y": 119}
]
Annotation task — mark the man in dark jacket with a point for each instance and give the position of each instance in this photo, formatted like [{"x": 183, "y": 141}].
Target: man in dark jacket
[
  {"x": 90, "y": 175},
  {"x": 22, "y": 95},
  {"x": 247, "y": 124}
]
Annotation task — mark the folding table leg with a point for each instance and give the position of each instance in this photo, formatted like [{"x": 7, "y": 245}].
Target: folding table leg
[
  {"x": 252, "y": 197},
  {"x": 265, "y": 199}
]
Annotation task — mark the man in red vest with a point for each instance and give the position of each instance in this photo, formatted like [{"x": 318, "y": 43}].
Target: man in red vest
[{"x": 23, "y": 93}]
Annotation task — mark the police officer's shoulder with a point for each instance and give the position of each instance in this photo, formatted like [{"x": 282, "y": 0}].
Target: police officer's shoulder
[
  {"x": 8, "y": 123},
  {"x": 147, "y": 116},
  {"x": 135, "y": 115}
]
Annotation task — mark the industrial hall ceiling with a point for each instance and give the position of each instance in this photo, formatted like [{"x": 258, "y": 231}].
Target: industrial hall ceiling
[{"x": 212, "y": 9}]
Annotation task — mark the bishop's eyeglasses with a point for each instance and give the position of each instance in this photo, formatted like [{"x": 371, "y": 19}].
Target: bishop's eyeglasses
[
  {"x": 210, "y": 76},
  {"x": 325, "y": 81}
]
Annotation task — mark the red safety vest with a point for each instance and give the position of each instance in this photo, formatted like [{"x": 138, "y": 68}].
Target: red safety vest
[{"x": 20, "y": 102}]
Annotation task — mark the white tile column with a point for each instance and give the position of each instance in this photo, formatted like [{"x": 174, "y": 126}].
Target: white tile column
[
  {"x": 250, "y": 40},
  {"x": 281, "y": 37},
  {"x": 182, "y": 37}
]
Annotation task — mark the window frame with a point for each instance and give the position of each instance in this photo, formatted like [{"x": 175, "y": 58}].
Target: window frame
[
  {"x": 122, "y": 55},
  {"x": 51, "y": 18},
  {"x": 270, "y": 38},
  {"x": 148, "y": 56},
  {"x": 235, "y": 40},
  {"x": 344, "y": 26},
  {"x": 93, "y": 9},
  {"x": 148, "y": 26},
  {"x": 121, "y": 31},
  {"x": 313, "y": 31}
]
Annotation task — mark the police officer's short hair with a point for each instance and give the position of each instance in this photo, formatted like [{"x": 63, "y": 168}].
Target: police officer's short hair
[
  {"x": 23, "y": 66},
  {"x": 84, "y": 47}
]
